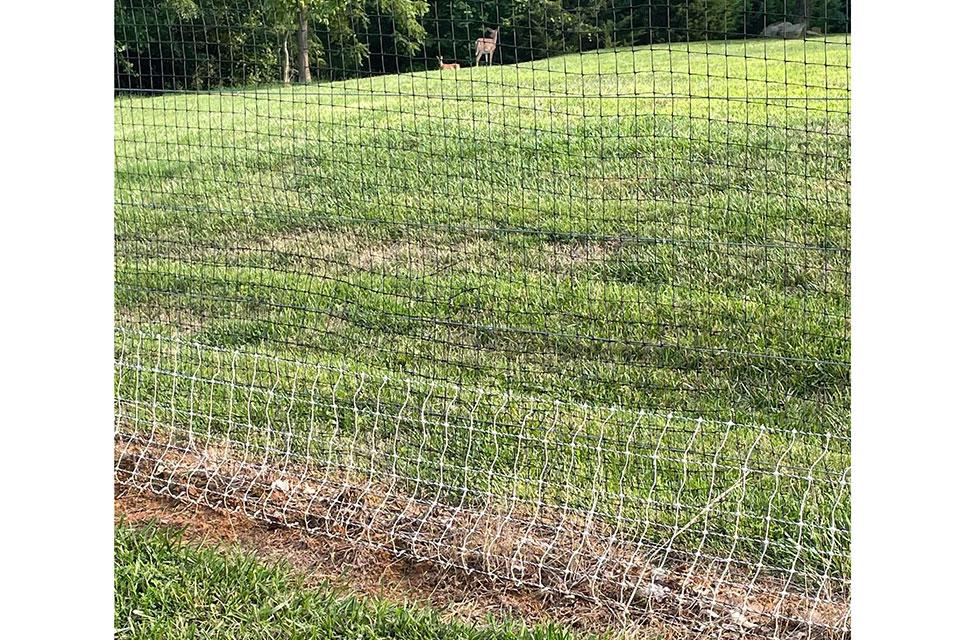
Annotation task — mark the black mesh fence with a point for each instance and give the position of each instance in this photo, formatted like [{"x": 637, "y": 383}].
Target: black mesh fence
[{"x": 580, "y": 267}]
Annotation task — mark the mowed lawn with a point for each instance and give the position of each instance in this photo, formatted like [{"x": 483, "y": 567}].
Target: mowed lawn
[
  {"x": 660, "y": 229},
  {"x": 512, "y": 205}
]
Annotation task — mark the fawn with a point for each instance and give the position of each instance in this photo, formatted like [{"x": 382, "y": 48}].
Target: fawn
[{"x": 452, "y": 65}]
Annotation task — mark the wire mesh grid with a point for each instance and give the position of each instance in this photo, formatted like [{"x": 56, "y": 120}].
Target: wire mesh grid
[{"x": 552, "y": 292}]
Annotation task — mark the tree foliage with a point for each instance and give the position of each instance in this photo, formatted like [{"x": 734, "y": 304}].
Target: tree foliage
[{"x": 200, "y": 44}]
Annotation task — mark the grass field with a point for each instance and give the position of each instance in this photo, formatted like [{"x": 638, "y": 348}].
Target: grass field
[
  {"x": 343, "y": 219},
  {"x": 661, "y": 229},
  {"x": 167, "y": 589}
]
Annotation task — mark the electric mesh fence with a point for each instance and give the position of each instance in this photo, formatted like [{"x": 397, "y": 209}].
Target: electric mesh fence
[{"x": 550, "y": 292}]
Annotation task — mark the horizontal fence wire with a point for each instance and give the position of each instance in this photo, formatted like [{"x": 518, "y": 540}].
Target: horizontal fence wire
[{"x": 553, "y": 293}]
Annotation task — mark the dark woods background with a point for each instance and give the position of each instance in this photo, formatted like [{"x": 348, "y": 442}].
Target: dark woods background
[{"x": 202, "y": 44}]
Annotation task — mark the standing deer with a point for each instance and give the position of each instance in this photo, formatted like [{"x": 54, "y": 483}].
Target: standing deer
[
  {"x": 452, "y": 65},
  {"x": 486, "y": 46}
]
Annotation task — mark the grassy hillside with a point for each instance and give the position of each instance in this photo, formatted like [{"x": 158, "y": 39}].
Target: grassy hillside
[{"x": 665, "y": 229}]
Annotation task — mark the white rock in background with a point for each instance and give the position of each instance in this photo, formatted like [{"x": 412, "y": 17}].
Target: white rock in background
[
  {"x": 795, "y": 30},
  {"x": 775, "y": 30},
  {"x": 785, "y": 30}
]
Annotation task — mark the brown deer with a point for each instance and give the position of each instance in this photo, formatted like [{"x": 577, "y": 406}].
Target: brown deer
[
  {"x": 452, "y": 65},
  {"x": 486, "y": 46}
]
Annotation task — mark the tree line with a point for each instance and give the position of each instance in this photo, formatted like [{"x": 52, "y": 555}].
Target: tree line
[{"x": 202, "y": 44}]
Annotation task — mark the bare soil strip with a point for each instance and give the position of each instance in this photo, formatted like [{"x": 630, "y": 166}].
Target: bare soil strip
[{"x": 466, "y": 563}]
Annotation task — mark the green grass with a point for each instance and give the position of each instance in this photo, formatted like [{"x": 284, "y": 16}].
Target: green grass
[
  {"x": 398, "y": 200},
  {"x": 664, "y": 228},
  {"x": 167, "y": 589}
]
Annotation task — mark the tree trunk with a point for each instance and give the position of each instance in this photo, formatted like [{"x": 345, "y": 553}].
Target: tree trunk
[
  {"x": 303, "y": 46},
  {"x": 284, "y": 55}
]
